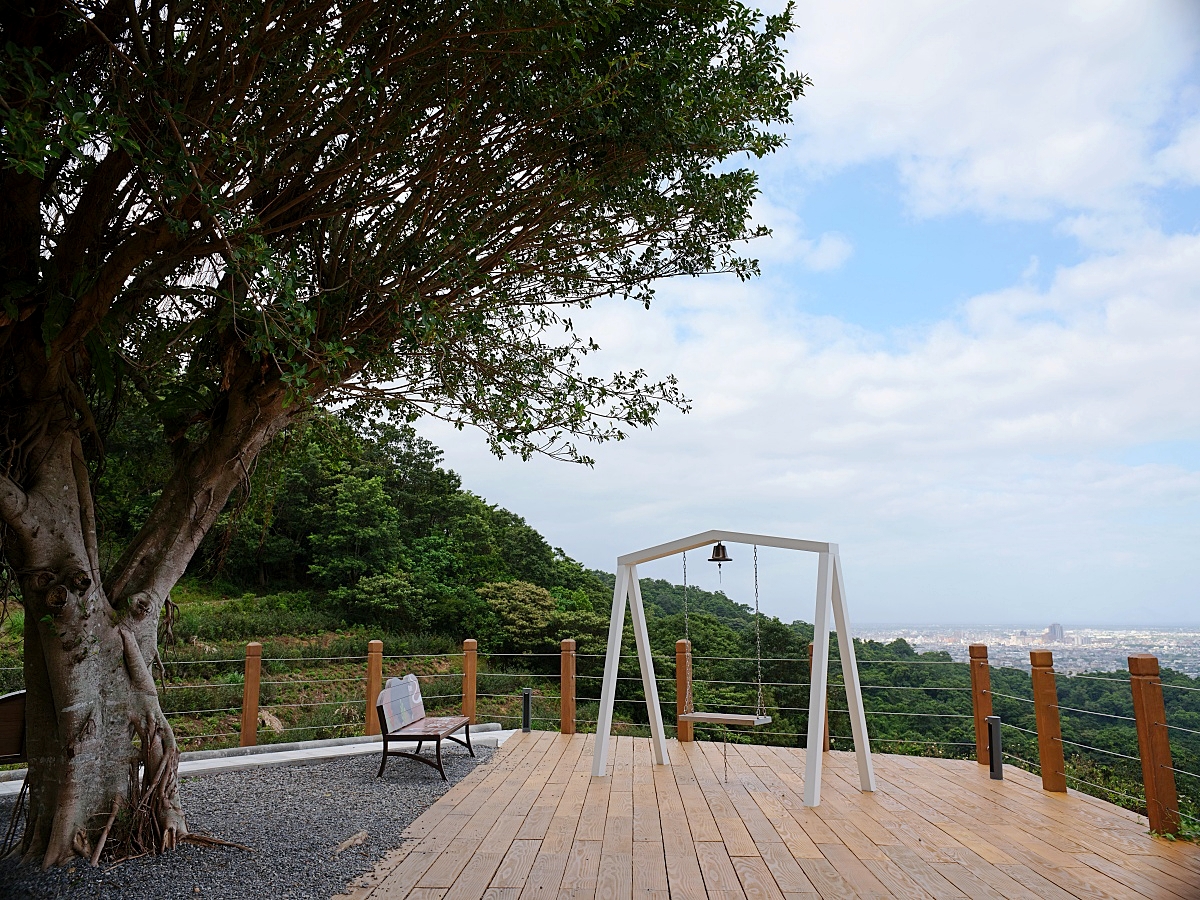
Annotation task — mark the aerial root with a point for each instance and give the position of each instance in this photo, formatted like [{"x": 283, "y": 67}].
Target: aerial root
[
  {"x": 207, "y": 840},
  {"x": 112, "y": 817}
]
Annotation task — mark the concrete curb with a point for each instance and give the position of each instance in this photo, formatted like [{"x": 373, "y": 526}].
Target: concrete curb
[{"x": 296, "y": 753}]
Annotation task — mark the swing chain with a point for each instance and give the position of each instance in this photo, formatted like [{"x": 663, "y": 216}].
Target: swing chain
[
  {"x": 762, "y": 709},
  {"x": 687, "y": 700}
]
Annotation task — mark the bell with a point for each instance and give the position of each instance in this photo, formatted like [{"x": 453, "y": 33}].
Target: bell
[{"x": 719, "y": 555}]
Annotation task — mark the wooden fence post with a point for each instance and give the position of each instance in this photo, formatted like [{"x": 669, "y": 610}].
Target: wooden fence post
[
  {"x": 566, "y": 687},
  {"x": 374, "y": 684},
  {"x": 470, "y": 649},
  {"x": 250, "y": 694},
  {"x": 981, "y": 700},
  {"x": 683, "y": 650},
  {"x": 1154, "y": 745},
  {"x": 1049, "y": 729},
  {"x": 825, "y": 742}
]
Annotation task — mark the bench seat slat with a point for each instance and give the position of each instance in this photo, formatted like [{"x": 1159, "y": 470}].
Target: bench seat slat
[{"x": 431, "y": 726}]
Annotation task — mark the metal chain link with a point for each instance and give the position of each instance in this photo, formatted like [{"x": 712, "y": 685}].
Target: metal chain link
[
  {"x": 687, "y": 634},
  {"x": 762, "y": 709}
]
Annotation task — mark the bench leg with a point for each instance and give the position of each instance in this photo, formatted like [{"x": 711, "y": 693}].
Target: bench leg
[
  {"x": 383, "y": 762},
  {"x": 439, "y": 760},
  {"x": 462, "y": 743},
  {"x": 433, "y": 764}
]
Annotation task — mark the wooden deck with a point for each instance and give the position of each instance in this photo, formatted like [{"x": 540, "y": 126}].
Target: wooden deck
[{"x": 533, "y": 823}]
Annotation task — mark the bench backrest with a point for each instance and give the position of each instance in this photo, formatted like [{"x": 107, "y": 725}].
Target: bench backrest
[
  {"x": 400, "y": 702},
  {"x": 12, "y": 728}
]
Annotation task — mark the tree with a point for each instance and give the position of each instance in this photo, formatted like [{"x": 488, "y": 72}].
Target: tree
[
  {"x": 526, "y": 613},
  {"x": 233, "y": 209},
  {"x": 360, "y": 532}
]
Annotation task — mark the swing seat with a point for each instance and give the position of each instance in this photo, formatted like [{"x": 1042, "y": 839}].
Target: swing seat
[{"x": 710, "y": 718}]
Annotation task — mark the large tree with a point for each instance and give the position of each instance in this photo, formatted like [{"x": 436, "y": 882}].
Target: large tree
[{"x": 233, "y": 209}]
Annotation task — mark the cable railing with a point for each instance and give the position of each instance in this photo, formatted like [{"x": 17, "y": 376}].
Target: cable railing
[
  {"x": 1084, "y": 731},
  {"x": 1110, "y": 735}
]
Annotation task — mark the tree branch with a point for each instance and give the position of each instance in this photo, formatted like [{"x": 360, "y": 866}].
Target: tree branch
[
  {"x": 251, "y": 413},
  {"x": 94, "y": 304}
]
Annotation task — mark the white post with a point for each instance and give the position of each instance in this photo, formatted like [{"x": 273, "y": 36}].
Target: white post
[
  {"x": 608, "y": 692},
  {"x": 854, "y": 700},
  {"x": 658, "y": 739},
  {"x": 819, "y": 679}
]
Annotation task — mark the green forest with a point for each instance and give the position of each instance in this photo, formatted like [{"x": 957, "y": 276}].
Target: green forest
[{"x": 350, "y": 529}]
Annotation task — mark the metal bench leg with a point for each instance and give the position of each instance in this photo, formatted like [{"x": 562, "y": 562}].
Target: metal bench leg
[
  {"x": 462, "y": 743},
  {"x": 439, "y": 760},
  {"x": 383, "y": 762}
]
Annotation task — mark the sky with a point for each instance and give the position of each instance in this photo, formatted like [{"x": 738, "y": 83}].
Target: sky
[{"x": 973, "y": 357}]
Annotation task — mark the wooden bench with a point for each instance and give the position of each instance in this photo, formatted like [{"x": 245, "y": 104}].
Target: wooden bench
[
  {"x": 425, "y": 728},
  {"x": 12, "y": 728}
]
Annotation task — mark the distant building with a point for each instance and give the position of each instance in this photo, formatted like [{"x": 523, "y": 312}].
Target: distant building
[{"x": 1055, "y": 634}]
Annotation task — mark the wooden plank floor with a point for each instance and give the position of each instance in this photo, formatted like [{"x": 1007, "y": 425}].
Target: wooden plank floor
[{"x": 534, "y": 824}]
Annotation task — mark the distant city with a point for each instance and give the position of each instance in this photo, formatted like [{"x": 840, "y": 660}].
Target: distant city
[{"x": 1075, "y": 649}]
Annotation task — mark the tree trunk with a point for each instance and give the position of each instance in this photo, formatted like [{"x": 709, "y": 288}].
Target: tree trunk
[
  {"x": 98, "y": 741},
  {"x": 93, "y": 714}
]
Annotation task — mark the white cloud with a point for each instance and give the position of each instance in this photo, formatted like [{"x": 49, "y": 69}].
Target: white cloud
[
  {"x": 788, "y": 242},
  {"x": 1181, "y": 158},
  {"x": 1018, "y": 108},
  {"x": 988, "y": 447}
]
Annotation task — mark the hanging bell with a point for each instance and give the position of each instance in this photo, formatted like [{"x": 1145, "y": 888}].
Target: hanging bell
[{"x": 719, "y": 555}]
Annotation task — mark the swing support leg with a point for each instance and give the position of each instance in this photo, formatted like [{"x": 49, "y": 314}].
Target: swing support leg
[
  {"x": 820, "y": 682},
  {"x": 854, "y": 700},
  {"x": 831, "y": 595},
  {"x": 627, "y": 587},
  {"x": 612, "y": 658},
  {"x": 658, "y": 739}
]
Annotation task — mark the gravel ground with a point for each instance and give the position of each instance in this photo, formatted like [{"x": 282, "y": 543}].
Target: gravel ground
[{"x": 292, "y": 816}]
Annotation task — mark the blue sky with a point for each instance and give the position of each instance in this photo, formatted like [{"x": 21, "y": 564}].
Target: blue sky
[
  {"x": 973, "y": 357},
  {"x": 905, "y": 270}
]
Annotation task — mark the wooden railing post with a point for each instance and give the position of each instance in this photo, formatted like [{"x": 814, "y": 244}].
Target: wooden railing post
[
  {"x": 1049, "y": 729},
  {"x": 1154, "y": 746},
  {"x": 250, "y": 694},
  {"x": 566, "y": 687},
  {"x": 825, "y": 742},
  {"x": 683, "y": 650},
  {"x": 374, "y": 684},
  {"x": 470, "y": 649},
  {"x": 981, "y": 700}
]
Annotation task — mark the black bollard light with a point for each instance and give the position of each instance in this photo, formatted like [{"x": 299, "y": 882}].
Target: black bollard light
[
  {"x": 526, "y": 708},
  {"x": 995, "y": 751}
]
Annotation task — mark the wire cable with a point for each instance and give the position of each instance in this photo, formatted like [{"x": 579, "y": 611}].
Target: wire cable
[
  {"x": 1093, "y": 677},
  {"x": 878, "y": 712},
  {"x": 1180, "y": 687},
  {"x": 1098, "y": 749},
  {"x": 879, "y": 740},
  {"x": 1024, "y": 761},
  {"x": 1141, "y": 800},
  {"x": 1089, "y": 712},
  {"x": 1008, "y": 696}
]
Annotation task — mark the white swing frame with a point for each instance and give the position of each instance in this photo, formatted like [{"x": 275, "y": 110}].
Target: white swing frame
[{"x": 831, "y": 595}]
